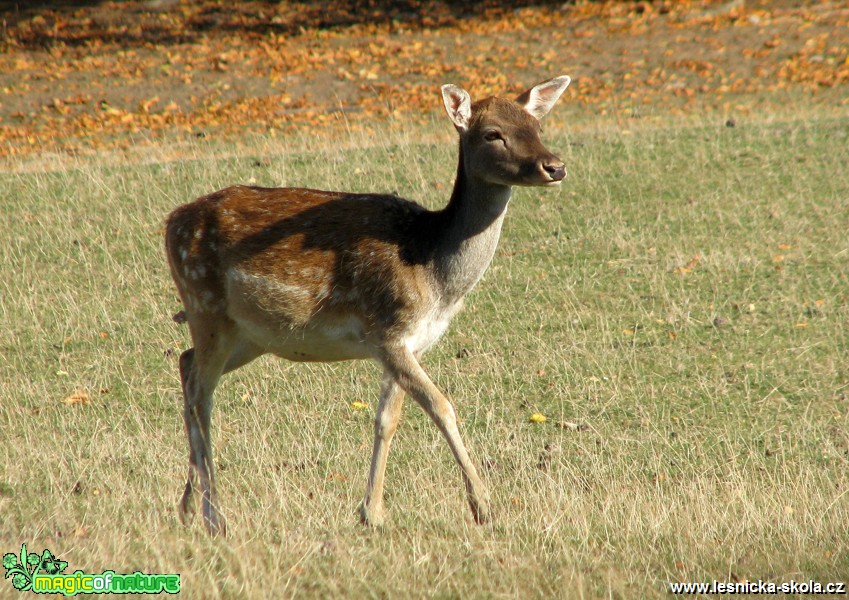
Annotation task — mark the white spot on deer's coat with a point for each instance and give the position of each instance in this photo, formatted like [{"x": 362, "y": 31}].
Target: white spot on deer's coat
[
  {"x": 207, "y": 298},
  {"x": 296, "y": 292}
]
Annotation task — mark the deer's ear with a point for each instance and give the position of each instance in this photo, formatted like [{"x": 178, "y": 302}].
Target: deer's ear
[
  {"x": 458, "y": 104},
  {"x": 539, "y": 99}
]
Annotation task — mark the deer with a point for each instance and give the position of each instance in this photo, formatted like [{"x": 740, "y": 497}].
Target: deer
[{"x": 311, "y": 275}]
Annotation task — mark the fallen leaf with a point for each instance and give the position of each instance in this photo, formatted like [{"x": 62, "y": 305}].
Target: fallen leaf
[
  {"x": 145, "y": 106},
  {"x": 357, "y": 405},
  {"x": 688, "y": 268},
  {"x": 570, "y": 426},
  {"x": 537, "y": 418},
  {"x": 78, "y": 397}
]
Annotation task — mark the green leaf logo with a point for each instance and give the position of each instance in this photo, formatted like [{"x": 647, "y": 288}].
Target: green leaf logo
[{"x": 21, "y": 568}]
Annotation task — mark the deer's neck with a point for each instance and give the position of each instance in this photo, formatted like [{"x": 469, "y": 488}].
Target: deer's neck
[{"x": 470, "y": 227}]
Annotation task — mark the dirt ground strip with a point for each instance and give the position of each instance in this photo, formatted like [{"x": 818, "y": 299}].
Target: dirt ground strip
[{"x": 77, "y": 77}]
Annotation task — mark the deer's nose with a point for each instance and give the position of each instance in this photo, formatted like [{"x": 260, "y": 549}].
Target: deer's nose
[{"x": 555, "y": 169}]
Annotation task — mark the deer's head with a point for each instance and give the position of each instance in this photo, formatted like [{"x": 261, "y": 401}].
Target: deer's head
[{"x": 499, "y": 138}]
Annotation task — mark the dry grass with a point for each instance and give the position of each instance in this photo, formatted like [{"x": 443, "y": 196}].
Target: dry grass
[{"x": 678, "y": 311}]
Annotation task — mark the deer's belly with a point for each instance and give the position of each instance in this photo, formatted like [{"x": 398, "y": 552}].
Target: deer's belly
[
  {"x": 285, "y": 319},
  {"x": 342, "y": 340},
  {"x": 339, "y": 339}
]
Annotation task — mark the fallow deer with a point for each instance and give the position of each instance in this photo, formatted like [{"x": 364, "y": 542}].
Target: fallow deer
[{"x": 312, "y": 275}]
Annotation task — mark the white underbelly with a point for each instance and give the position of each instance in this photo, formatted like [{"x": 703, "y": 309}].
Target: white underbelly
[{"x": 342, "y": 339}]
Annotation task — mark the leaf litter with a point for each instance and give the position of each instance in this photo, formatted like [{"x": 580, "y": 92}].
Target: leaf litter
[{"x": 125, "y": 75}]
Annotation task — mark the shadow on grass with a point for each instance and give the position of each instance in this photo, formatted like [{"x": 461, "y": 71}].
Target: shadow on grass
[{"x": 46, "y": 23}]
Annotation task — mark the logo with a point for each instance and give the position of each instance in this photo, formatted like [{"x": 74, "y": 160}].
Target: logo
[{"x": 43, "y": 574}]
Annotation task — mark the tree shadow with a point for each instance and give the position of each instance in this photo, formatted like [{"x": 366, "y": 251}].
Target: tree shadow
[
  {"x": 131, "y": 24},
  {"x": 12, "y": 11},
  {"x": 35, "y": 5}
]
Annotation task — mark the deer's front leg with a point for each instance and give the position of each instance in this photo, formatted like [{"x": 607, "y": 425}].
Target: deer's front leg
[
  {"x": 385, "y": 424},
  {"x": 413, "y": 379}
]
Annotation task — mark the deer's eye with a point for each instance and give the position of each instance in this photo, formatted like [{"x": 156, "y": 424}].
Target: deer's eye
[{"x": 493, "y": 136}]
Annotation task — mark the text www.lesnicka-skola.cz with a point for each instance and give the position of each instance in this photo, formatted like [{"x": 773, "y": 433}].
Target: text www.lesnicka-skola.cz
[{"x": 758, "y": 587}]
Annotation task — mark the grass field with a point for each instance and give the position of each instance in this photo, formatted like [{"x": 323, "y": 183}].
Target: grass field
[{"x": 678, "y": 310}]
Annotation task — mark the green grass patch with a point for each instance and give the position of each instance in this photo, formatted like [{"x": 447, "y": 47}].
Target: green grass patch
[{"x": 678, "y": 311}]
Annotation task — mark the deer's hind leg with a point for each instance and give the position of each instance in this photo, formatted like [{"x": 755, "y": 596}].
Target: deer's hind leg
[
  {"x": 187, "y": 507},
  {"x": 200, "y": 369}
]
